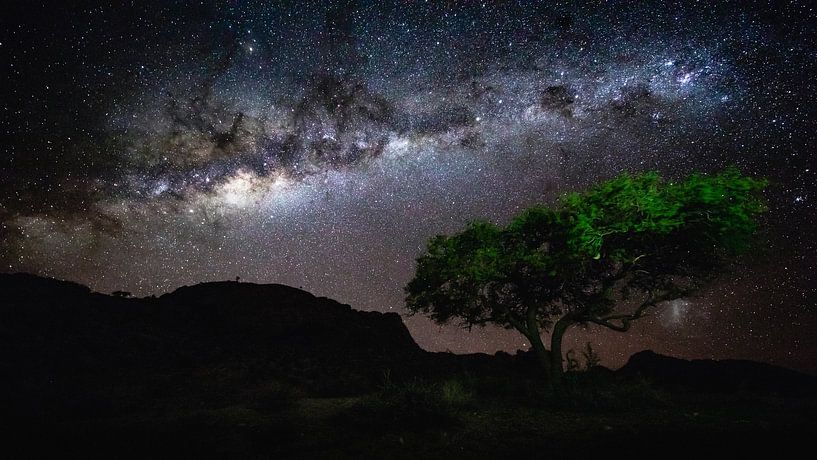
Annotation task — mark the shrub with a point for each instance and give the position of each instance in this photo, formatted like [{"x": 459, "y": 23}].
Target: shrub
[
  {"x": 455, "y": 393},
  {"x": 416, "y": 405},
  {"x": 591, "y": 358}
]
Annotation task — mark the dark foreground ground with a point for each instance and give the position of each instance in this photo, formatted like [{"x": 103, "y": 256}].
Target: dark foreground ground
[
  {"x": 438, "y": 421},
  {"x": 239, "y": 370}
]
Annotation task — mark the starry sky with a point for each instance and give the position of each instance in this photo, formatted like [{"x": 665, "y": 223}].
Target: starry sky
[{"x": 148, "y": 145}]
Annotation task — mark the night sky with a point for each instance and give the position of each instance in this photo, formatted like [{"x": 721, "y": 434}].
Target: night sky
[{"x": 320, "y": 145}]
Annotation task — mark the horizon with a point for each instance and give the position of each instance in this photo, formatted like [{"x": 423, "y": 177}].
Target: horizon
[{"x": 616, "y": 365}]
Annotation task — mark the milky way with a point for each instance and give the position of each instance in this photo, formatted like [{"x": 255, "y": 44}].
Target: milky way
[{"x": 321, "y": 144}]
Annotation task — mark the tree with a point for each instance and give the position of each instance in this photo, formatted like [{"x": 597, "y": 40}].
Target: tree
[{"x": 601, "y": 257}]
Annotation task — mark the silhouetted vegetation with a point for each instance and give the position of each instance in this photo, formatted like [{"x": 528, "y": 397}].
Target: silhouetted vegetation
[
  {"x": 244, "y": 370},
  {"x": 413, "y": 405},
  {"x": 602, "y": 257},
  {"x": 247, "y": 370}
]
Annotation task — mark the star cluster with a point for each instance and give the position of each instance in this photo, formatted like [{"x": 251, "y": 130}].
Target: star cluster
[{"x": 320, "y": 144}]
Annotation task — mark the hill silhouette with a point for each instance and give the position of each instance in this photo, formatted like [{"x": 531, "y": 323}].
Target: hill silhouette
[
  {"x": 70, "y": 357},
  {"x": 52, "y": 330},
  {"x": 722, "y": 376},
  {"x": 55, "y": 330}
]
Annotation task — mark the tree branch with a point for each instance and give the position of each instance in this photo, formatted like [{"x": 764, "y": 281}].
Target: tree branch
[
  {"x": 626, "y": 318},
  {"x": 517, "y": 324},
  {"x": 514, "y": 320},
  {"x": 531, "y": 320},
  {"x": 624, "y": 327}
]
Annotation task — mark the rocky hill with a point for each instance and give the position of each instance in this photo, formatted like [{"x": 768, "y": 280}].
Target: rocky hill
[
  {"x": 64, "y": 348},
  {"x": 67, "y": 352},
  {"x": 723, "y": 376}
]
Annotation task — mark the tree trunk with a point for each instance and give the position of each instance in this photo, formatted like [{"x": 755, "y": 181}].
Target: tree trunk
[
  {"x": 556, "y": 369},
  {"x": 535, "y": 337},
  {"x": 542, "y": 353}
]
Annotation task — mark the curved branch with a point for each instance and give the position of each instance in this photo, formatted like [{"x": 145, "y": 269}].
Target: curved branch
[
  {"x": 624, "y": 327},
  {"x": 625, "y": 269},
  {"x": 626, "y": 318},
  {"x": 530, "y": 319},
  {"x": 514, "y": 320}
]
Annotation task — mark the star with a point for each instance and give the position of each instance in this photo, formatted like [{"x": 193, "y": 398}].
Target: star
[{"x": 315, "y": 145}]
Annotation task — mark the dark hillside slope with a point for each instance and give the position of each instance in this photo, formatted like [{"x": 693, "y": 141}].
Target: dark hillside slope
[
  {"x": 67, "y": 352},
  {"x": 64, "y": 348},
  {"x": 723, "y": 376}
]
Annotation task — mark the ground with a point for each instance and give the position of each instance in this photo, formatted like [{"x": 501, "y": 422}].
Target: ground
[{"x": 450, "y": 419}]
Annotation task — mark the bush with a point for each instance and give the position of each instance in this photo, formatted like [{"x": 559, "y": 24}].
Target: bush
[
  {"x": 416, "y": 405},
  {"x": 455, "y": 393},
  {"x": 591, "y": 358}
]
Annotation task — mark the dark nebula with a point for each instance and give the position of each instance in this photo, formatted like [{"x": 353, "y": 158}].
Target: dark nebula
[{"x": 320, "y": 144}]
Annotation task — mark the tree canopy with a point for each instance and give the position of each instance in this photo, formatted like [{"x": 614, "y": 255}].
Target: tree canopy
[{"x": 627, "y": 243}]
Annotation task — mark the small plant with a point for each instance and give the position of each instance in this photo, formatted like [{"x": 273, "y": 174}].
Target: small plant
[
  {"x": 572, "y": 364},
  {"x": 455, "y": 393},
  {"x": 591, "y": 358},
  {"x": 387, "y": 383}
]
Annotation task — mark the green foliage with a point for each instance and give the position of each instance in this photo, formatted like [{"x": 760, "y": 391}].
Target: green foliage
[
  {"x": 554, "y": 260},
  {"x": 468, "y": 275},
  {"x": 455, "y": 393},
  {"x": 614, "y": 218}
]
